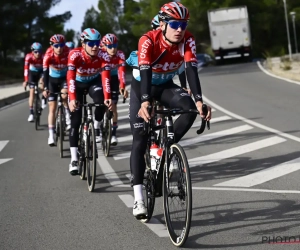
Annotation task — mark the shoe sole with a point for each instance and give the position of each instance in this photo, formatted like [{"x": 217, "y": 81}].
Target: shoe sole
[
  {"x": 114, "y": 144},
  {"x": 141, "y": 216},
  {"x": 52, "y": 144},
  {"x": 74, "y": 172}
]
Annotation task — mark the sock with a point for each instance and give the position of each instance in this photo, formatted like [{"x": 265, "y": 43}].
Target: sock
[
  {"x": 114, "y": 129},
  {"x": 51, "y": 131},
  {"x": 96, "y": 124},
  {"x": 31, "y": 110},
  {"x": 73, "y": 151},
  {"x": 138, "y": 192}
]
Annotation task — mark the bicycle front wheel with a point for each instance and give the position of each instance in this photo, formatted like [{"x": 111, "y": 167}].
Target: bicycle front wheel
[
  {"x": 80, "y": 154},
  {"x": 177, "y": 195},
  {"x": 91, "y": 157},
  {"x": 106, "y": 140}
]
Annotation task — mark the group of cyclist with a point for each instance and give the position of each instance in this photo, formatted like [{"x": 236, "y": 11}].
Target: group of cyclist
[{"x": 99, "y": 67}]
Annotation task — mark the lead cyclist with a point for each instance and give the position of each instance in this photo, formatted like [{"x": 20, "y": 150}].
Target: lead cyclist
[{"x": 161, "y": 53}]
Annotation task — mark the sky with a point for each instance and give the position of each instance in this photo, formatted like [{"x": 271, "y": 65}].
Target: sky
[{"x": 77, "y": 8}]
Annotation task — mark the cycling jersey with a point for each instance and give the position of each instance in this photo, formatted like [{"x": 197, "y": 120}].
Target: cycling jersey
[
  {"x": 84, "y": 69},
  {"x": 32, "y": 64},
  {"x": 117, "y": 65},
  {"x": 159, "y": 62}
]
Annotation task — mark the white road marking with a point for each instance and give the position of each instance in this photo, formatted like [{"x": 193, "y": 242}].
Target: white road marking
[
  {"x": 253, "y": 123},
  {"x": 275, "y": 76},
  {"x": 232, "y": 152},
  {"x": 248, "y": 190},
  {"x": 216, "y": 135},
  {"x": 109, "y": 172},
  {"x": 264, "y": 175}
]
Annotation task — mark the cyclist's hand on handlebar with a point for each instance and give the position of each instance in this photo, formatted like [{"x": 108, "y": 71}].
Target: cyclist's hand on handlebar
[
  {"x": 188, "y": 90},
  {"x": 72, "y": 105},
  {"x": 124, "y": 92},
  {"x": 199, "y": 108},
  {"x": 108, "y": 103},
  {"x": 143, "y": 112},
  {"x": 45, "y": 93},
  {"x": 24, "y": 84}
]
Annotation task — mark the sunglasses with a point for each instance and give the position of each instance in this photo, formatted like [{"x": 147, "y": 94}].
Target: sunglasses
[
  {"x": 110, "y": 46},
  {"x": 93, "y": 43},
  {"x": 59, "y": 45},
  {"x": 37, "y": 52},
  {"x": 176, "y": 24}
]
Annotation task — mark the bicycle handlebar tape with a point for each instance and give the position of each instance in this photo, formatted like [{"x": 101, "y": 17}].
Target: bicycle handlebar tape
[
  {"x": 146, "y": 124},
  {"x": 204, "y": 122}
]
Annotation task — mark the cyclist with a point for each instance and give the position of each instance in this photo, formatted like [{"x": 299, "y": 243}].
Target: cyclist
[
  {"x": 33, "y": 69},
  {"x": 55, "y": 71},
  {"x": 70, "y": 45},
  {"x": 161, "y": 53},
  {"x": 84, "y": 66},
  {"x": 116, "y": 59}
]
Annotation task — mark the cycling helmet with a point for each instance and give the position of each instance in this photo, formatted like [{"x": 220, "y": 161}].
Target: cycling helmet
[
  {"x": 174, "y": 10},
  {"x": 57, "y": 38},
  {"x": 155, "y": 22},
  {"x": 36, "y": 46},
  {"x": 71, "y": 45},
  {"x": 109, "y": 39},
  {"x": 90, "y": 34}
]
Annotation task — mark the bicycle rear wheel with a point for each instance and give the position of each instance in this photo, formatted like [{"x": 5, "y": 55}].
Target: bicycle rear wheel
[
  {"x": 37, "y": 112},
  {"x": 61, "y": 131},
  {"x": 149, "y": 193},
  {"x": 177, "y": 196},
  {"x": 80, "y": 154},
  {"x": 106, "y": 135},
  {"x": 91, "y": 157}
]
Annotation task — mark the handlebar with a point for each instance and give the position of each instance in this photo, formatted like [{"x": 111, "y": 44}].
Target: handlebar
[{"x": 177, "y": 111}]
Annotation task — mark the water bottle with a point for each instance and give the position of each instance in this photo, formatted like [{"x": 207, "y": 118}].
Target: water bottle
[{"x": 155, "y": 154}]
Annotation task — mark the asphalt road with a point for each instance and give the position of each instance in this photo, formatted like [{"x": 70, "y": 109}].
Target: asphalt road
[{"x": 244, "y": 172}]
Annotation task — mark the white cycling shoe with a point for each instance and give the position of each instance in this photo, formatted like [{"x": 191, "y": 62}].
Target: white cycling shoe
[{"x": 139, "y": 210}]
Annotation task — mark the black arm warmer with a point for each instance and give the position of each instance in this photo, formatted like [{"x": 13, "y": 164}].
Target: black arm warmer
[
  {"x": 182, "y": 80},
  {"x": 146, "y": 78},
  {"x": 193, "y": 79},
  {"x": 46, "y": 78}
]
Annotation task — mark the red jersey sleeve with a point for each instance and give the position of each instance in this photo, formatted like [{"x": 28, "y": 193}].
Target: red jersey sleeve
[
  {"x": 26, "y": 66},
  {"x": 73, "y": 58},
  {"x": 105, "y": 78},
  {"x": 145, "y": 48},
  {"x": 190, "y": 49},
  {"x": 121, "y": 69}
]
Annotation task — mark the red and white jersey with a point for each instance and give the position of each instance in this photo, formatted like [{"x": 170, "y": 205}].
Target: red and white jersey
[
  {"x": 166, "y": 60},
  {"x": 83, "y": 68},
  {"x": 57, "y": 64},
  {"x": 117, "y": 65},
  {"x": 32, "y": 64}
]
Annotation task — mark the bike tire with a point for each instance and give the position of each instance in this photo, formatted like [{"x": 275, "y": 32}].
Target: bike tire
[
  {"x": 90, "y": 152},
  {"x": 149, "y": 194},
  {"x": 106, "y": 136},
  {"x": 57, "y": 117},
  {"x": 178, "y": 232},
  {"x": 80, "y": 155},
  {"x": 61, "y": 132},
  {"x": 36, "y": 112}
]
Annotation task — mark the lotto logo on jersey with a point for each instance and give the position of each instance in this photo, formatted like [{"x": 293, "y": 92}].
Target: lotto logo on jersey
[
  {"x": 144, "y": 48},
  {"x": 59, "y": 66},
  {"x": 192, "y": 45},
  {"x": 107, "y": 85},
  {"x": 72, "y": 86},
  {"x": 74, "y": 55},
  {"x": 167, "y": 66},
  {"x": 81, "y": 70}
]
